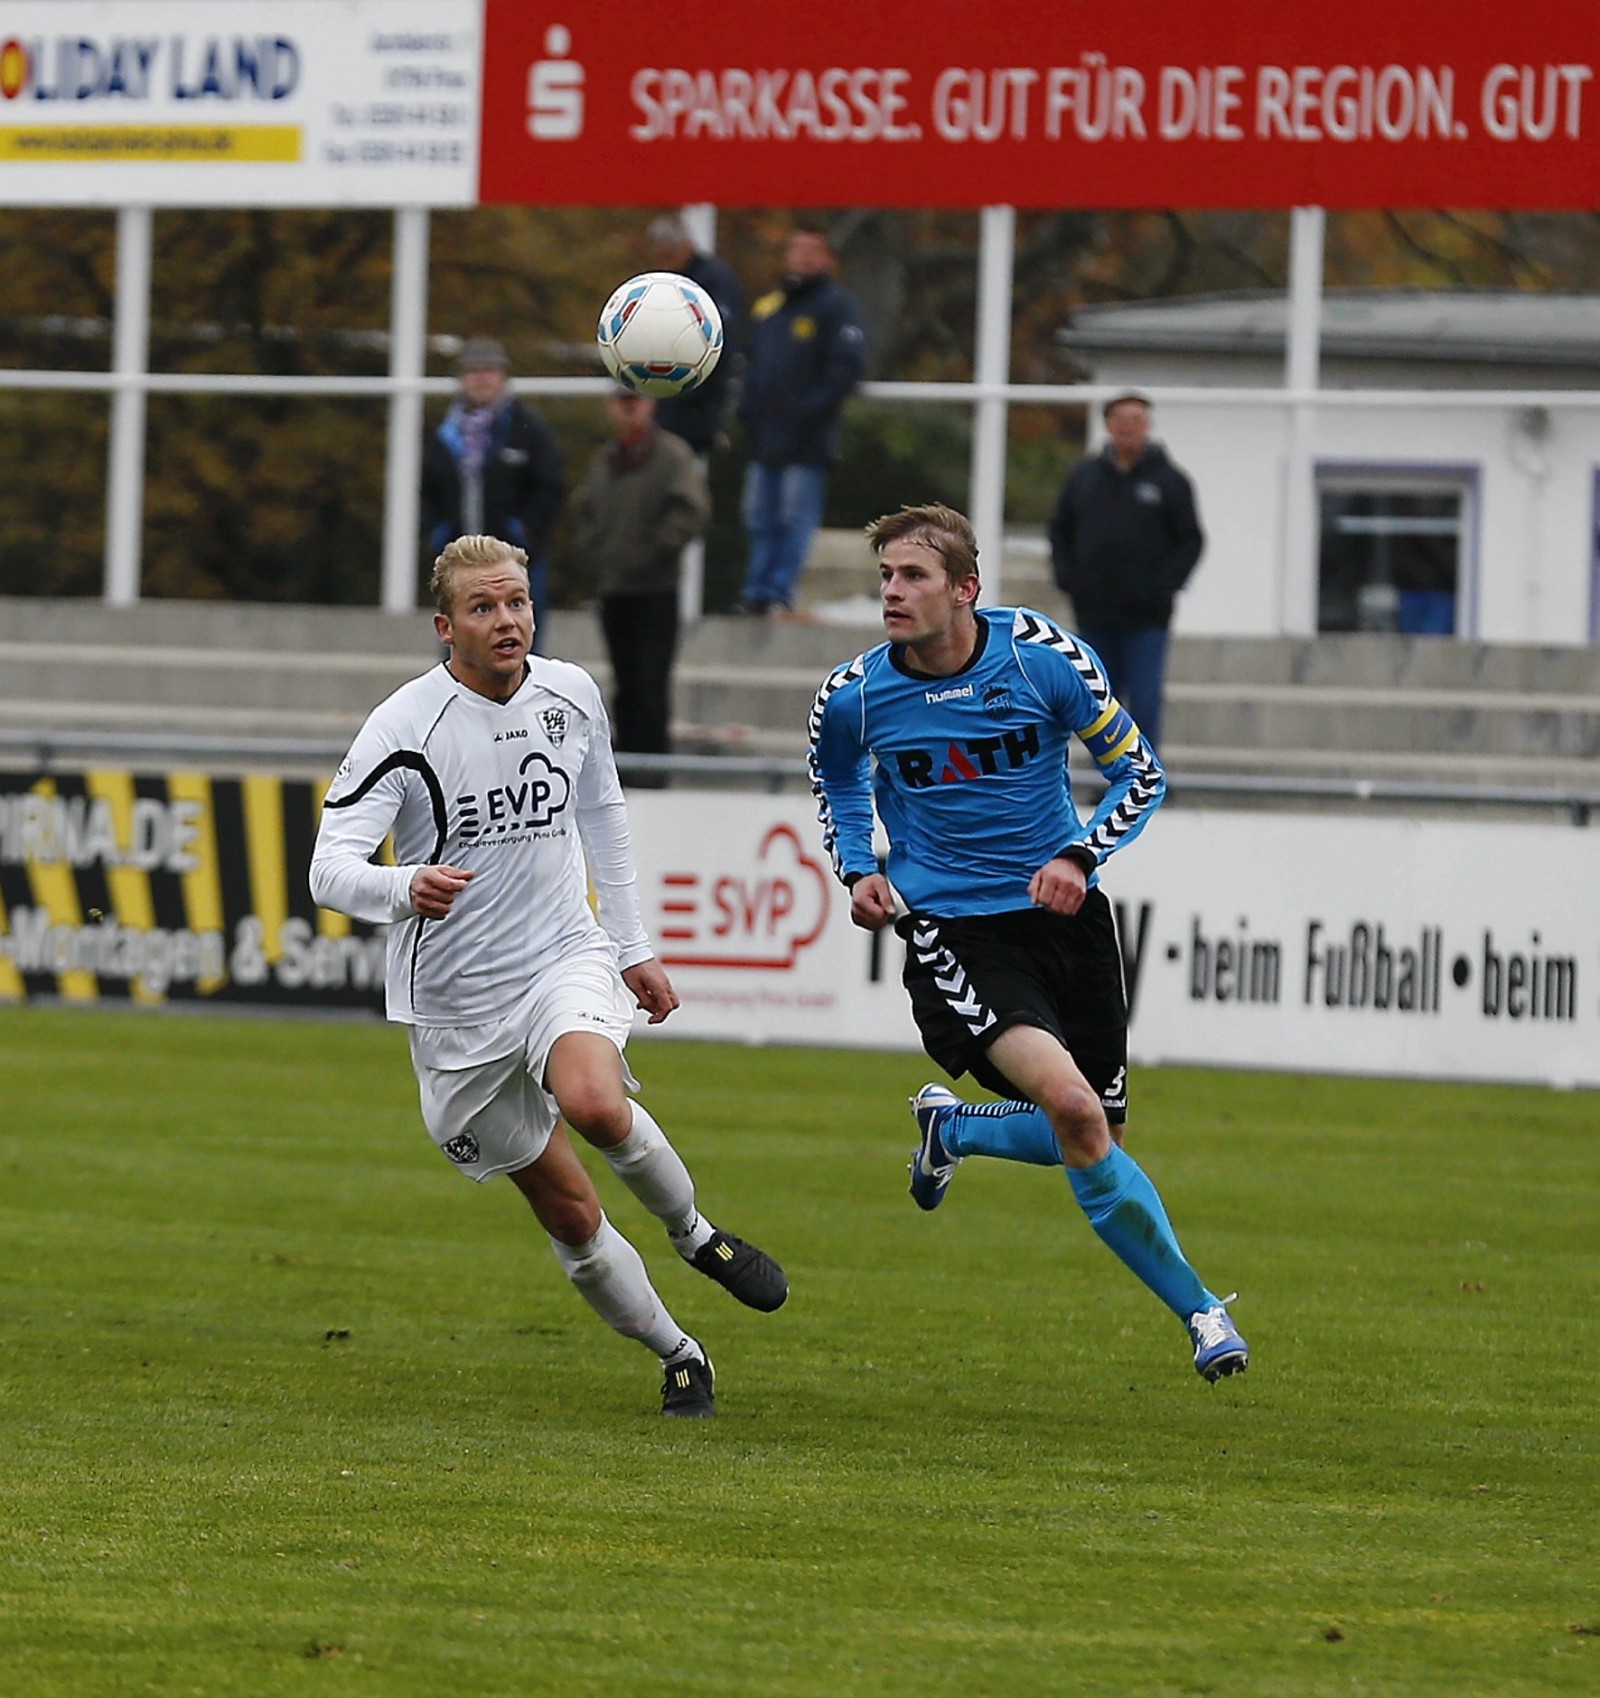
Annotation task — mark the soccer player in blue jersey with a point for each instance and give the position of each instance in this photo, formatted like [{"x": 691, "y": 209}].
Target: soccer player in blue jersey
[{"x": 958, "y": 729}]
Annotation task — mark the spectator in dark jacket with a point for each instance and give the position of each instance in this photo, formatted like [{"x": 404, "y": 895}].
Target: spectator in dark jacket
[
  {"x": 642, "y": 500},
  {"x": 806, "y": 352},
  {"x": 698, "y": 415},
  {"x": 493, "y": 468},
  {"x": 1123, "y": 541}
]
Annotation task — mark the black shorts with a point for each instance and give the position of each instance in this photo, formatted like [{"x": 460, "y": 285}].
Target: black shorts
[{"x": 973, "y": 978}]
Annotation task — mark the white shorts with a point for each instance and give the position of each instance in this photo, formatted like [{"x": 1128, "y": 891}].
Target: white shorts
[{"x": 495, "y": 1116}]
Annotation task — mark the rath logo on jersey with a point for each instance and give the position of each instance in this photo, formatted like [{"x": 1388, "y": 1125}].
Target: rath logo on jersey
[
  {"x": 760, "y": 915},
  {"x": 978, "y": 757}
]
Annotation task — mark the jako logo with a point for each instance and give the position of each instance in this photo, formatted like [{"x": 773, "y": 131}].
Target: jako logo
[
  {"x": 555, "y": 90},
  {"x": 973, "y": 759}
]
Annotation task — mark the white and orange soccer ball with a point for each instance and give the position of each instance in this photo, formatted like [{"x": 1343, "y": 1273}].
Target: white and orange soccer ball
[{"x": 660, "y": 334}]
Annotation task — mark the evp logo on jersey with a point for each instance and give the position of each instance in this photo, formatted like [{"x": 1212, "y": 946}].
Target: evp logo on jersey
[
  {"x": 505, "y": 809},
  {"x": 977, "y": 757}
]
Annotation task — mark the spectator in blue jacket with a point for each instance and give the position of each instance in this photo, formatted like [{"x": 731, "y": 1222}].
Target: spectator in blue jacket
[
  {"x": 806, "y": 352},
  {"x": 493, "y": 468}
]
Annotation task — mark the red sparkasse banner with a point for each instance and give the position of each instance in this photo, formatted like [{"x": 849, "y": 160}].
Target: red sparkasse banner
[{"x": 948, "y": 103}]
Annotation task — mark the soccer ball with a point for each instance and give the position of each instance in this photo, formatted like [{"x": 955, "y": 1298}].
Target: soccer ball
[{"x": 660, "y": 334}]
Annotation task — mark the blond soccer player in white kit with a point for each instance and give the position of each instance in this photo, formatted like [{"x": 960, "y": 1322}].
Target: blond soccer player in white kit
[{"x": 495, "y": 773}]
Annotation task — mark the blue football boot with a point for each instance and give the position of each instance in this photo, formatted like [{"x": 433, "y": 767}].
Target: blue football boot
[{"x": 932, "y": 1165}]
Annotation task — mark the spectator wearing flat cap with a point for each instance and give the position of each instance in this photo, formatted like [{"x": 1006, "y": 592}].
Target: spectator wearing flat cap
[{"x": 493, "y": 467}]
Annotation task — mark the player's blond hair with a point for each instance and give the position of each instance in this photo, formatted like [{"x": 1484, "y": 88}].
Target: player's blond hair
[
  {"x": 948, "y": 533},
  {"x": 465, "y": 552}
]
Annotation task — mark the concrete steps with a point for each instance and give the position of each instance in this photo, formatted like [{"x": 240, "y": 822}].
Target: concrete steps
[{"x": 1382, "y": 708}]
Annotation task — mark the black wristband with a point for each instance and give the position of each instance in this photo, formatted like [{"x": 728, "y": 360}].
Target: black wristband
[{"x": 1081, "y": 854}]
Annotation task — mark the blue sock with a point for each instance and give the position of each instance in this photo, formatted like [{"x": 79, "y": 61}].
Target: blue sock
[
  {"x": 1124, "y": 1209},
  {"x": 1012, "y": 1131}
]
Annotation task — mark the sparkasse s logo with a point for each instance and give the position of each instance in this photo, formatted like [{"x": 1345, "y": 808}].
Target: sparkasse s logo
[{"x": 555, "y": 90}]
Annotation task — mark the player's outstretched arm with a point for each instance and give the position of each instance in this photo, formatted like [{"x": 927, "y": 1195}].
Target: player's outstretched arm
[{"x": 650, "y": 985}]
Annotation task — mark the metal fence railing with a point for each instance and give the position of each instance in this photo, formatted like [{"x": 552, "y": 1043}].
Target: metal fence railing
[{"x": 51, "y": 751}]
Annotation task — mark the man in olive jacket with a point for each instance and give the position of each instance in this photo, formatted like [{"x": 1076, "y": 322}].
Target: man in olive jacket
[
  {"x": 643, "y": 498},
  {"x": 1123, "y": 541}
]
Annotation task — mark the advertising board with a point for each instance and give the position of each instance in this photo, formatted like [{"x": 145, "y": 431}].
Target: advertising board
[
  {"x": 1045, "y": 103},
  {"x": 935, "y": 103},
  {"x": 1317, "y": 943},
  {"x": 231, "y": 103},
  {"x": 154, "y": 888}
]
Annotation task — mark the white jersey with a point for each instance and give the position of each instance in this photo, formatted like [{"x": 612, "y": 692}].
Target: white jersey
[{"x": 521, "y": 793}]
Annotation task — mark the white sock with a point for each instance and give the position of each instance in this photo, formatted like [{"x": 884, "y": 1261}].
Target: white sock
[
  {"x": 654, "y": 1172},
  {"x": 610, "y": 1275},
  {"x": 689, "y": 1350}
]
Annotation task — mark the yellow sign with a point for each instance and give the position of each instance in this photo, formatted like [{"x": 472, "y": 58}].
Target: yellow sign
[
  {"x": 187, "y": 144},
  {"x": 154, "y": 888}
]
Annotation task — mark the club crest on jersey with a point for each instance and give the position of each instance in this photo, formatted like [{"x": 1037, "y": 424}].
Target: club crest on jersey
[
  {"x": 997, "y": 699},
  {"x": 462, "y": 1149},
  {"x": 554, "y": 721},
  {"x": 978, "y": 757}
]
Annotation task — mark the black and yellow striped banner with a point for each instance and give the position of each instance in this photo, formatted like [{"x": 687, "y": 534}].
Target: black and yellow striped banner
[{"x": 172, "y": 887}]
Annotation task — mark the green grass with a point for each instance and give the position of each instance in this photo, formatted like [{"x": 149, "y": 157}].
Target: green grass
[{"x": 287, "y": 1407}]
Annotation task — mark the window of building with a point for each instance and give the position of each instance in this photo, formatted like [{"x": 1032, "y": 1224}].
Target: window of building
[{"x": 1393, "y": 549}]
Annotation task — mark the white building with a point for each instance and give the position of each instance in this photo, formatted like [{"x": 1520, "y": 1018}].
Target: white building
[{"x": 1455, "y": 456}]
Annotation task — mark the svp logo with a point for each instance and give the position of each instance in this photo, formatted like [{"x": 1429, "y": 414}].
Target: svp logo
[{"x": 759, "y": 916}]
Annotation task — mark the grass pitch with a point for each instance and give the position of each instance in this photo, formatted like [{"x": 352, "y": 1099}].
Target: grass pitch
[{"x": 288, "y": 1408}]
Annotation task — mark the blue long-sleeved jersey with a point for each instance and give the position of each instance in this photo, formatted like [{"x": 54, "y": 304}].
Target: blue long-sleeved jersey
[{"x": 969, "y": 772}]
